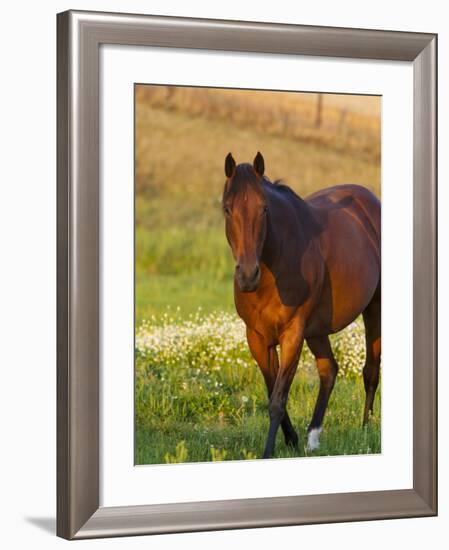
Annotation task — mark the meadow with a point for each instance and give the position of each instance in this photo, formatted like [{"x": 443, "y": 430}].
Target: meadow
[{"x": 199, "y": 395}]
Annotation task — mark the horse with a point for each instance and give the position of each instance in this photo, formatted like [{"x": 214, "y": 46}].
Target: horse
[{"x": 305, "y": 269}]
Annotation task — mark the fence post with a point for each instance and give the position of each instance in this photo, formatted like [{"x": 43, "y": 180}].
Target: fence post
[{"x": 319, "y": 111}]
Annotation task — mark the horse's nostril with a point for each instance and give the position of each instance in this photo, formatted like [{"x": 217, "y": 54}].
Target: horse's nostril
[
  {"x": 255, "y": 274},
  {"x": 247, "y": 274}
]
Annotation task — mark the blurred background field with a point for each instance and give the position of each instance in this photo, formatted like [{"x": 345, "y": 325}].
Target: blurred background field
[
  {"x": 182, "y": 137},
  {"x": 183, "y": 261}
]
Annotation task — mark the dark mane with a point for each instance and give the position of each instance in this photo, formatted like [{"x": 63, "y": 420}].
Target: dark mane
[
  {"x": 302, "y": 209},
  {"x": 279, "y": 185}
]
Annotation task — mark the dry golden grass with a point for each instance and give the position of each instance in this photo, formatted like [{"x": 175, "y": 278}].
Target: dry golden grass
[
  {"x": 344, "y": 123},
  {"x": 180, "y": 149}
]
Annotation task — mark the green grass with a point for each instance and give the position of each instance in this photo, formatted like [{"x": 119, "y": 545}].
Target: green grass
[
  {"x": 174, "y": 415},
  {"x": 181, "y": 269},
  {"x": 198, "y": 389},
  {"x": 186, "y": 292}
]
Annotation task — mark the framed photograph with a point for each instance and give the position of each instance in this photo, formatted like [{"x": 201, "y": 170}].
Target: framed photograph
[{"x": 245, "y": 212}]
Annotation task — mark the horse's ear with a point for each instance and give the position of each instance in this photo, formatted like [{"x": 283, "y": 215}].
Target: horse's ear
[
  {"x": 229, "y": 165},
  {"x": 259, "y": 164}
]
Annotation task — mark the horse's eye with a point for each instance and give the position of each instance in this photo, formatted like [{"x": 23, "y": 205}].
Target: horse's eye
[
  {"x": 265, "y": 209},
  {"x": 227, "y": 210}
]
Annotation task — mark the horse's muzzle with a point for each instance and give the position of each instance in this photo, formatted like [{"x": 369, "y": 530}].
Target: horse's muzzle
[{"x": 248, "y": 279}]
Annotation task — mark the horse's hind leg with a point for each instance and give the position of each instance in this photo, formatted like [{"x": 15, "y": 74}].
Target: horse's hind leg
[
  {"x": 327, "y": 370},
  {"x": 372, "y": 320}
]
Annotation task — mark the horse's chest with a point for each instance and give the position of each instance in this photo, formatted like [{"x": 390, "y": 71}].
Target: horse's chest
[{"x": 267, "y": 317}]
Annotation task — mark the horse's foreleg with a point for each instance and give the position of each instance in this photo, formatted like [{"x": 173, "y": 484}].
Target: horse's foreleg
[
  {"x": 327, "y": 370},
  {"x": 290, "y": 435},
  {"x": 372, "y": 320},
  {"x": 291, "y": 345},
  {"x": 267, "y": 359}
]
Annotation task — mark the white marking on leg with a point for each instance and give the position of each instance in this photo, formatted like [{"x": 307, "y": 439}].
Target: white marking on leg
[{"x": 314, "y": 439}]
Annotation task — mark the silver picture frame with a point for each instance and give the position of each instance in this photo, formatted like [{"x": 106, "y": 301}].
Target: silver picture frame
[{"x": 79, "y": 36}]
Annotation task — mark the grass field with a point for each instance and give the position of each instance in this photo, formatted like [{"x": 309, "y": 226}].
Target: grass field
[{"x": 199, "y": 395}]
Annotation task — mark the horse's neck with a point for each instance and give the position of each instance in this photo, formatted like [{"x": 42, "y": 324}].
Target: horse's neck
[
  {"x": 289, "y": 230},
  {"x": 288, "y": 215}
]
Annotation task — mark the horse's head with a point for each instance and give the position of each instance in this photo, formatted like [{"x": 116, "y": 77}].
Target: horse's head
[{"x": 245, "y": 209}]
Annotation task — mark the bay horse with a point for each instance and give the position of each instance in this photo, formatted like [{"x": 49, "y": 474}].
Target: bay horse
[{"x": 305, "y": 269}]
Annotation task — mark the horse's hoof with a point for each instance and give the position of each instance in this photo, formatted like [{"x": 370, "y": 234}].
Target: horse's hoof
[
  {"x": 313, "y": 442},
  {"x": 292, "y": 442},
  {"x": 366, "y": 420}
]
